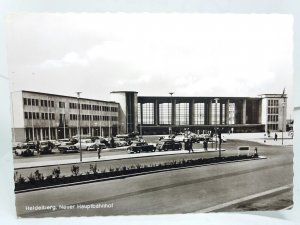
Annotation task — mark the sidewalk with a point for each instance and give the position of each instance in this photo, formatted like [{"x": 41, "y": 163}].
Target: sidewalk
[
  {"x": 105, "y": 158},
  {"x": 262, "y": 138}
]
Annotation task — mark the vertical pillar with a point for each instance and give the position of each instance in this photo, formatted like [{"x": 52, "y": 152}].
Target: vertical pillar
[
  {"x": 141, "y": 110},
  {"x": 227, "y": 111},
  {"x": 244, "y": 110},
  {"x": 173, "y": 110},
  {"x": 209, "y": 112},
  {"x": 56, "y": 133},
  {"x": 221, "y": 112},
  {"x": 191, "y": 112},
  {"x": 156, "y": 112},
  {"x": 41, "y": 134}
]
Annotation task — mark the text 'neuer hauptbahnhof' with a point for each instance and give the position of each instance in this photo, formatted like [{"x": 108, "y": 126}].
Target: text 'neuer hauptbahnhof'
[{"x": 39, "y": 116}]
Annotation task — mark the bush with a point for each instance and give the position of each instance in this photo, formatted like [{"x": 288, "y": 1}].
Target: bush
[
  {"x": 56, "y": 172},
  {"x": 93, "y": 169},
  {"x": 75, "y": 170}
]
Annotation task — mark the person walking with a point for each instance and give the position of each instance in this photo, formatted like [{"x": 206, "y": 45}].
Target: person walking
[
  {"x": 205, "y": 145},
  {"x": 191, "y": 146},
  {"x": 275, "y": 137},
  {"x": 99, "y": 151},
  {"x": 38, "y": 147}
]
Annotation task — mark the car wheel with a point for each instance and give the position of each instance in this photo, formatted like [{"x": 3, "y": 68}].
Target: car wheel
[
  {"x": 153, "y": 149},
  {"x": 165, "y": 149}
]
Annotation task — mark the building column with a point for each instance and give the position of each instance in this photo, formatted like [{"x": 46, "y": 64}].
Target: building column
[
  {"x": 244, "y": 110},
  {"x": 227, "y": 111},
  {"x": 56, "y": 137},
  {"x": 221, "y": 112},
  {"x": 173, "y": 112},
  {"x": 156, "y": 112},
  {"x": 209, "y": 112},
  {"x": 191, "y": 112},
  {"x": 141, "y": 110},
  {"x": 41, "y": 134}
]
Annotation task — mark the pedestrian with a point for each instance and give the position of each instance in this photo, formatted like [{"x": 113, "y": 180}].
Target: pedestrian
[
  {"x": 112, "y": 142},
  {"x": 268, "y": 133},
  {"x": 38, "y": 147},
  {"x": 190, "y": 146},
  {"x": 205, "y": 145},
  {"x": 99, "y": 151},
  {"x": 275, "y": 137}
]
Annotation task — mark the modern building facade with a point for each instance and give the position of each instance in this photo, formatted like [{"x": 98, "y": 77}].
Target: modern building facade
[
  {"x": 43, "y": 116},
  {"x": 48, "y": 116}
]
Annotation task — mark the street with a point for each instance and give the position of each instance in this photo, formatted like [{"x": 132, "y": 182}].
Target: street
[{"x": 181, "y": 191}]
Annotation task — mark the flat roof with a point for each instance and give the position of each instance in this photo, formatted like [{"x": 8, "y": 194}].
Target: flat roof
[{"x": 56, "y": 95}]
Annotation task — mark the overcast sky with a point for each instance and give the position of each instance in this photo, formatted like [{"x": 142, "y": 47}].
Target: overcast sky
[{"x": 189, "y": 54}]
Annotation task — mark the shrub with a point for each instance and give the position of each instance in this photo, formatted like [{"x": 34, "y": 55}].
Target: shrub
[
  {"x": 93, "y": 169},
  {"x": 75, "y": 170},
  {"x": 19, "y": 179},
  {"x": 56, "y": 172}
]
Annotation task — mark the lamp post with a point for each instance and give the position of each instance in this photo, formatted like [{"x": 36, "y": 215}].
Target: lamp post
[
  {"x": 78, "y": 125},
  {"x": 216, "y": 121},
  {"x": 170, "y": 129},
  {"x": 283, "y": 104}
]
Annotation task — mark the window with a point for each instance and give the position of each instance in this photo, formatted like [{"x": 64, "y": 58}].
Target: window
[
  {"x": 36, "y": 102},
  {"x": 182, "y": 113},
  {"x": 61, "y": 105},
  {"x": 199, "y": 113},
  {"x": 231, "y": 113},
  {"x": 25, "y": 101},
  {"x": 26, "y": 115},
  {"x": 165, "y": 113},
  {"x": 29, "y": 101},
  {"x": 215, "y": 113},
  {"x": 148, "y": 113},
  {"x": 139, "y": 113},
  {"x": 29, "y": 115}
]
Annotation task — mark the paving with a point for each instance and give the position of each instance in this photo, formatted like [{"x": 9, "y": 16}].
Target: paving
[{"x": 22, "y": 165}]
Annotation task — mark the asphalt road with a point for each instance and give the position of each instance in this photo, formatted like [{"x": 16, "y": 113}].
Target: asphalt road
[{"x": 181, "y": 191}]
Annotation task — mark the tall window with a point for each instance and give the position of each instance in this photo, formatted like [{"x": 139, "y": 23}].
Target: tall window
[
  {"x": 215, "y": 113},
  {"x": 199, "y": 113},
  {"x": 223, "y": 114},
  {"x": 182, "y": 113},
  {"x": 139, "y": 113},
  {"x": 148, "y": 113},
  {"x": 165, "y": 113},
  {"x": 231, "y": 114}
]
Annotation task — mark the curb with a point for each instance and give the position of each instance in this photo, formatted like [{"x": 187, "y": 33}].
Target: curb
[{"x": 132, "y": 175}]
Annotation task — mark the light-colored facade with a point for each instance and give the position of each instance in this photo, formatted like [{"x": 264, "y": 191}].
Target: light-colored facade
[
  {"x": 39, "y": 116},
  {"x": 42, "y": 116}
]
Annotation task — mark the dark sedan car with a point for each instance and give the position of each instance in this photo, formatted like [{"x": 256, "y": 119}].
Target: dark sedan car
[
  {"x": 168, "y": 144},
  {"x": 138, "y": 147}
]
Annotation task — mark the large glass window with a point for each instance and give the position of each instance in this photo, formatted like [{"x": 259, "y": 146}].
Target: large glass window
[
  {"x": 139, "y": 113},
  {"x": 148, "y": 113},
  {"x": 199, "y": 113},
  {"x": 223, "y": 114},
  {"x": 165, "y": 113},
  {"x": 215, "y": 113},
  {"x": 182, "y": 113},
  {"x": 231, "y": 113}
]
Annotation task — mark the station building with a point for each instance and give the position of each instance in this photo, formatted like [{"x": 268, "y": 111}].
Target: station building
[
  {"x": 40, "y": 116},
  {"x": 43, "y": 116}
]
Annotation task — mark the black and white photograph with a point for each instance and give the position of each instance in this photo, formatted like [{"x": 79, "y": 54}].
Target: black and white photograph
[{"x": 150, "y": 113}]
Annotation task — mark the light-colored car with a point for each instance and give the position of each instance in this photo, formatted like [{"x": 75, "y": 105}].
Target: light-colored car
[
  {"x": 25, "y": 149},
  {"x": 68, "y": 147},
  {"x": 85, "y": 144},
  {"x": 119, "y": 142}
]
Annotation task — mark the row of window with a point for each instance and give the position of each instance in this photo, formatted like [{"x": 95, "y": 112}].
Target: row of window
[
  {"x": 50, "y": 103},
  {"x": 94, "y": 117},
  {"x": 36, "y": 115},
  {"x": 272, "y": 118},
  {"x": 273, "y": 102},
  {"x": 272, "y": 110},
  {"x": 146, "y": 113},
  {"x": 272, "y": 126},
  {"x": 37, "y": 102}
]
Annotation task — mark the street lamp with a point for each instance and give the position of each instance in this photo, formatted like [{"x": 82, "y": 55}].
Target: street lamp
[
  {"x": 78, "y": 125},
  {"x": 283, "y": 104},
  {"x": 170, "y": 129},
  {"x": 216, "y": 120}
]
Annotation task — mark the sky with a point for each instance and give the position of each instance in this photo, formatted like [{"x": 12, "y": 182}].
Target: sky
[{"x": 190, "y": 54}]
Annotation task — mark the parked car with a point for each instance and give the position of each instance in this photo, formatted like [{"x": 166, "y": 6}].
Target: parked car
[
  {"x": 168, "y": 144},
  {"x": 120, "y": 142},
  {"x": 46, "y": 147},
  {"x": 25, "y": 149},
  {"x": 68, "y": 147},
  {"x": 85, "y": 144},
  {"x": 55, "y": 143},
  {"x": 63, "y": 141},
  {"x": 138, "y": 147},
  {"x": 97, "y": 144}
]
